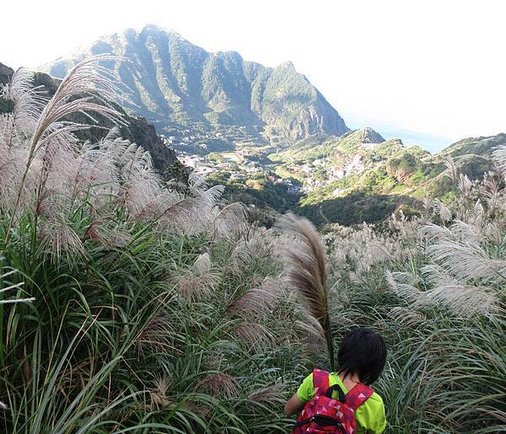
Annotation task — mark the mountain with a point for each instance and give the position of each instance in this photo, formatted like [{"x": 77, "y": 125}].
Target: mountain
[
  {"x": 179, "y": 86},
  {"x": 358, "y": 176}
]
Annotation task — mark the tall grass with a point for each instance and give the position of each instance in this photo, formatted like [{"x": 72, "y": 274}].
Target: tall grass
[
  {"x": 434, "y": 287},
  {"x": 129, "y": 307},
  {"x": 144, "y": 312}
]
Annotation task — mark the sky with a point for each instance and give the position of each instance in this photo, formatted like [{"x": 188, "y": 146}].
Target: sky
[{"x": 428, "y": 72}]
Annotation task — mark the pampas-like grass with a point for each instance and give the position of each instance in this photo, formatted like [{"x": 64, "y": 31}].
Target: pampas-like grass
[
  {"x": 42, "y": 127},
  {"x": 159, "y": 394},
  {"x": 218, "y": 384},
  {"x": 307, "y": 274},
  {"x": 268, "y": 395},
  {"x": 199, "y": 282},
  {"x": 252, "y": 247},
  {"x": 193, "y": 213},
  {"x": 460, "y": 298},
  {"x": 499, "y": 155},
  {"x": 467, "y": 260},
  {"x": 442, "y": 210},
  {"x": 230, "y": 222},
  {"x": 98, "y": 235},
  {"x": 156, "y": 335},
  {"x": 253, "y": 334},
  {"x": 466, "y": 300},
  {"x": 462, "y": 274},
  {"x": 29, "y": 101},
  {"x": 403, "y": 284},
  {"x": 451, "y": 170},
  {"x": 465, "y": 185},
  {"x": 256, "y": 301}
]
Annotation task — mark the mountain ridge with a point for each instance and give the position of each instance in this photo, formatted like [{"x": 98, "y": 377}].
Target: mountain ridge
[{"x": 177, "y": 84}]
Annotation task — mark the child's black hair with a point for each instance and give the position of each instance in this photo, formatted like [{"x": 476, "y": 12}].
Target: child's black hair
[{"x": 363, "y": 352}]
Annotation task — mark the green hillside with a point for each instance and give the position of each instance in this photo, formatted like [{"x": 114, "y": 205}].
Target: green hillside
[
  {"x": 185, "y": 91},
  {"x": 353, "y": 178}
]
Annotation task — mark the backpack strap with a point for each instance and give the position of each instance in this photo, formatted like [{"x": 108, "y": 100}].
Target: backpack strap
[
  {"x": 320, "y": 381},
  {"x": 339, "y": 390},
  {"x": 358, "y": 395}
]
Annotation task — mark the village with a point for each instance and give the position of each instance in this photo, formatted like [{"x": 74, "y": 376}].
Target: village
[{"x": 246, "y": 162}]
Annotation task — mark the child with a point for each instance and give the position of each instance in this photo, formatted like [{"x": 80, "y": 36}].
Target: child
[{"x": 361, "y": 360}]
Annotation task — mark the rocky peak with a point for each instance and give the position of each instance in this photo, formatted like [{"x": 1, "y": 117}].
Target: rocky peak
[{"x": 371, "y": 136}]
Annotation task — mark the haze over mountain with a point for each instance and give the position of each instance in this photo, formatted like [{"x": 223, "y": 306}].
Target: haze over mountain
[{"x": 176, "y": 85}]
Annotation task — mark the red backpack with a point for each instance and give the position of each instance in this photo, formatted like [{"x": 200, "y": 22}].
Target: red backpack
[{"x": 323, "y": 414}]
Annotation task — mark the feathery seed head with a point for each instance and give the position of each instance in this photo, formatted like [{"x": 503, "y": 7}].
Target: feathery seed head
[{"x": 218, "y": 384}]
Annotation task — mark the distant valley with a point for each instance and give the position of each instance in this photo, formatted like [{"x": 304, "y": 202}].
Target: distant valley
[{"x": 269, "y": 135}]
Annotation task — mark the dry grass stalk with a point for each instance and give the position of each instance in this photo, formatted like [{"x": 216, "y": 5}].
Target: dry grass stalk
[
  {"x": 308, "y": 275},
  {"x": 253, "y": 334},
  {"x": 159, "y": 394},
  {"x": 218, "y": 384}
]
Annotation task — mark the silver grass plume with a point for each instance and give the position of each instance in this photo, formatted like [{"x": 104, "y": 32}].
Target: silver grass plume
[
  {"x": 451, "y": 170},
  {"x": 404, "y": 285},
  {"x": 255, "y": 335},
  {"x": 218, "y": 384},
  {"x": 466, "y": 300},
  {"x": 230, "y": 221},
  {"x": 156, "y": 335},
  {"x": 251, "y": 246},
  {"x": 464, "y": 277},
  {"x": 459, "y": 252},
  {"x": 407, "y": 316},
  {"x": 499, "y": 156},
  {"x": 442, "y": 210},
  {"x": 85, "y": 89},
  {"x": 199, "y": 281},
  {"x": 29, "y": 101},
  {"x": 268, "y": 395},
  {"x": 258, "y": 301},
  {"x": 462, "y": 299},
  {"x": 465, "y": 185},
  {"x": 159, "y": 393},
  {"x": 255, "y": 305},
  {"x": 308, "y": 275},
  {"x": 191, "y": 212}
]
